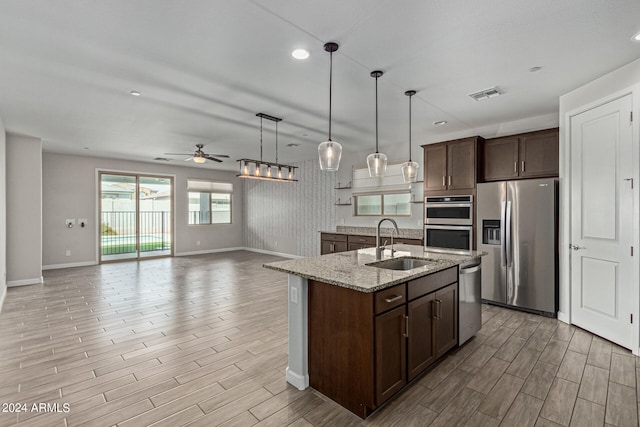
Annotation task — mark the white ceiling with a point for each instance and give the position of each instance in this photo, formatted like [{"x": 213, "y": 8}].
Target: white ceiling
[{"x": 205, "y": 68}]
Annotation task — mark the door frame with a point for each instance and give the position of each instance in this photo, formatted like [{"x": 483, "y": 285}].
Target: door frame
[
  {"x": 565, "y": 207},
  {"x": 98, "y": 217}
]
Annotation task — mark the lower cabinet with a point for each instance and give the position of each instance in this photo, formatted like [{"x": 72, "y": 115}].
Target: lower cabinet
[{"x": 365, "y": 347}]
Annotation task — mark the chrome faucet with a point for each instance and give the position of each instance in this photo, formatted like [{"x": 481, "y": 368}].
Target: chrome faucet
[{"x": 378, "y": 248}]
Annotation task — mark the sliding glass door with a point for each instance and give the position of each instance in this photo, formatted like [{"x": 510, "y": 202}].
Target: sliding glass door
[{"x": 136, "y": 214}]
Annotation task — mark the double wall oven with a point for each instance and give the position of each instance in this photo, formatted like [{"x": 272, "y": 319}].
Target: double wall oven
[{"x": 448, "y": 223}]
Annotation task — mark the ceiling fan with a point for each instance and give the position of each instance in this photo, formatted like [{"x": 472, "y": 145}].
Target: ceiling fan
[{"x": 199, "y": 156}]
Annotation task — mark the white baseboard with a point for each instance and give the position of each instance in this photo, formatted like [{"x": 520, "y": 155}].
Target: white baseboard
[
  {"x": 69, "y": 265},
  {"x": 563, "y": 317},
  {"x": 264, "y": 251},
  {"x": 3, "y": 294},
  {"x": 25, "y": 282},
  {"x": 300, "y": 382},
  {"x": 240, "y": 248},
  {"x": 209, "y": 251}
]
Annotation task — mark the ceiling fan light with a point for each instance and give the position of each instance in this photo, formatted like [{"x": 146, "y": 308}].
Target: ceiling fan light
[
  {"x": 329, "y": 154},
  {"x": 377, "y": 163},
  {"x": 410, "y": 171},
  {"x": 199, "y": 159}
]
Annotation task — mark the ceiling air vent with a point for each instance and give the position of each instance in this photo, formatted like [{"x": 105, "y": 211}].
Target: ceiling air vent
[{"x": 486, "y": 94}]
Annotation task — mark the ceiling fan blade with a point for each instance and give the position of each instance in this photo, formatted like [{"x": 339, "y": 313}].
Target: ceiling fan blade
[
  {"x": 224, "y": 156},
  {"x": 207, "y": 156},
  {"x": 178, "y": 154},
  {"x": 188, "y": 159}
]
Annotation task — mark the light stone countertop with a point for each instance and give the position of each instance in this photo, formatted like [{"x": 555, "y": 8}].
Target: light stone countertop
[
  {"x": 349, "y": 269},
  {"x": 406, "y": 233}
]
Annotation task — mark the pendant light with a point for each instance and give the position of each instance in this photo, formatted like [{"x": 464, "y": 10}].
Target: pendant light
[
  {"x": 329, "y": 152},
  {"x": 263, "y": 170},
  {"x": 377, "y": 162},
  {"x": 410, "y": 169}
]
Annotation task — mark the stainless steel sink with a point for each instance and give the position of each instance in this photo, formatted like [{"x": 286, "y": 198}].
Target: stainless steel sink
[{"x": 402, "y": 263}]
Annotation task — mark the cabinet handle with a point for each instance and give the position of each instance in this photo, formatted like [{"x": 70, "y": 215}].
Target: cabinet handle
[
  {"x": 393, "y": 298},
  {"x": 449, "y": 180},
  {"x": 515, "y": 167},
  {"x": 434, "y": 312},
  {"x": 439, "y": 303},
  {"x": 331, "y": 247},
  {"x": 444, "y": 181},
  {"x": 406, "y": 326},
  {"x": 522, "y": 166}
]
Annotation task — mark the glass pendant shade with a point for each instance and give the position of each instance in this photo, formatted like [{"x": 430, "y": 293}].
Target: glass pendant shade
[
  {"x": 377, "y": 163},
  {"x": 199, "y": 159},
  {"x": 329, "y": 153},
  {"x": 410, "y": 171}
]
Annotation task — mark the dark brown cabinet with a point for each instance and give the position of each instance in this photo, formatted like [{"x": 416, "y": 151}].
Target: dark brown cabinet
[
  {"x": 365, "y": 347},
  {"x": 360, "y": 242},
  {"x": 332, "y": 243},
  {"x": 450, "y": 165},
  {"x": 390, "y": 353},
  {"x": 527, "y": 155}
]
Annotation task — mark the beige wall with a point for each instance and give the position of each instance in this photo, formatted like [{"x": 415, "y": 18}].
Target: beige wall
[
  {"x": 24, "y": 210},
  {"x": 70, "y": 191},
  {"x": 3, "y": 215}
]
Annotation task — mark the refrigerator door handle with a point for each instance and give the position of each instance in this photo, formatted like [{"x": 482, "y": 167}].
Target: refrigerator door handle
[
  {"x": 508, "y": 237},
  {"x": 503, "y": 243}
]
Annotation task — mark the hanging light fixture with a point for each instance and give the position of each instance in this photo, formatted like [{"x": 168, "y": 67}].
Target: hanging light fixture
[
  {"x": 329, "y": 152},
  {"x": 377, "y": 162},
  {"x": 266, "y": 171},
  {"x": 409, "y": 168}
]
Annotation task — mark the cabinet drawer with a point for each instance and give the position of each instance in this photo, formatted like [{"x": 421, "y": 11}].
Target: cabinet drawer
[
  {"x": 369, "y": 240},
  {"x": 333, "y": 237},
  {"x": 390, "y": 298},
  {"x": 427, "y": 284},
  {"x": 408, "y": 241}
]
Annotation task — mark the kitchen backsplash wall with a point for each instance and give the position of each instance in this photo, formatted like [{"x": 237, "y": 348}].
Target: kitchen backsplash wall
[{"x": 286, "y": 217}]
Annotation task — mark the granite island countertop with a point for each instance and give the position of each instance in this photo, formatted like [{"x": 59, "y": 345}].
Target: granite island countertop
[{"x": 350, "y": 269}]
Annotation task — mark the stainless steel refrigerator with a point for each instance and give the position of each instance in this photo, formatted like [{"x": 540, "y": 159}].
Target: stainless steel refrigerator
[{"x": 517, "y": 225}]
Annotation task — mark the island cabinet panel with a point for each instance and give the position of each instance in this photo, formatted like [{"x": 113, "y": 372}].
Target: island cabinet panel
[
  {"x": 446, "y": 319},
  {"x": 366, "y": 346},
  {"x": 421, "y": 351},
  {"x": 390, "y": 353},
  {"x": 341, "y": 334}
]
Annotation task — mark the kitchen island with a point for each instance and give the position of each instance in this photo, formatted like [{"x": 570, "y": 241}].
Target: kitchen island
[{"x": 361, "y": 329}]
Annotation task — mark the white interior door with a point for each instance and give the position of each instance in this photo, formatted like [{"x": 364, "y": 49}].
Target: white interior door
[{"x": 602, "y": 265}]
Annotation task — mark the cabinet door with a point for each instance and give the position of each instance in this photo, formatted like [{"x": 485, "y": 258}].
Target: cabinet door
[
  {"x": 390, "y": 353},
  {"x": 356, "y": 246},
  {"x": 461, "y": 164},
  {"x": 331, "y": 247},
  {"x": 539, "y": 154},
  {"x": 446, "y": 319},
  {"x": 499, "y": 159},
  {"x": 435, "y": 166},
  {"x": 420, "y": 348}
]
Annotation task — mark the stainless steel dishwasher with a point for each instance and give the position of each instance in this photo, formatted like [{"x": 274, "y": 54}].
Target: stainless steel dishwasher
[{"x": 470, "y": 301}]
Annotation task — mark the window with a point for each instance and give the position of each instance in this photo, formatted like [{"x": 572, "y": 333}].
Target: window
[
  {"x": 394, "y": 204},
  {"x": 209, "y": 202}
]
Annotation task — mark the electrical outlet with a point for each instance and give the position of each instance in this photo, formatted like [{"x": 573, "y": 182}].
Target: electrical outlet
[
  {"x": 82, "y": 222},
  {"x": 67, "y": 252},
  {"x": 294, "y": 295},
  {"x": 69, "y": 222}
]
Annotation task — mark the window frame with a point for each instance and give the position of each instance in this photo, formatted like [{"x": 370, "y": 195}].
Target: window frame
[
  {"x": 381, "y": 194},
  {"x": 196, "y": 186}
]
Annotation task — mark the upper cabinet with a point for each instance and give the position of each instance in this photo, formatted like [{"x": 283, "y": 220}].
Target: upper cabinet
[
  {"x": 528, "y": 155},
  {"x": 451, "y": 165}
]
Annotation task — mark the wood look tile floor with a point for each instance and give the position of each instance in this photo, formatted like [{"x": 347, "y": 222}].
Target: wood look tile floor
[{"x": 202, "y": 341}]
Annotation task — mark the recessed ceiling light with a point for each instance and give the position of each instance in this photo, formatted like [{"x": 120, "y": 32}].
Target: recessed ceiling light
[
  {"x": 440, "y": 123},
  {"x": 86, "y": 148},
  {"x": 300, "y": 54},
  {"x": 534, "y": 69},
  {"x": 293, "y": 145},
  {"x": 636, "y": 38},
  {"x": 135, "y": 93}
]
